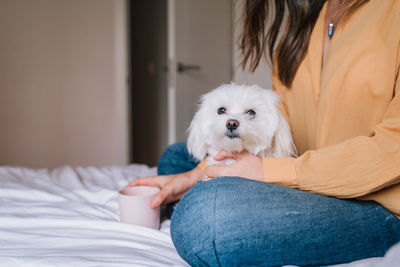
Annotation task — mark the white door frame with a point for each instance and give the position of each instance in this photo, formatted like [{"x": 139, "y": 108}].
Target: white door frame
[{"x": 171, "y": 104}]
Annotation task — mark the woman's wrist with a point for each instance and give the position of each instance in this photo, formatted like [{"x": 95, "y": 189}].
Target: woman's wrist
[{"x": 197, "y": 174}]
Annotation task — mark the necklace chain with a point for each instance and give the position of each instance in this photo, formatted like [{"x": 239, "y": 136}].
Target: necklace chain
[{"x": 335, "y": 11}]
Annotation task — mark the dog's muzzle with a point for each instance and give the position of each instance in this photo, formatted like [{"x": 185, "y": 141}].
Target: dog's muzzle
[{"x": 232, "y": 125}]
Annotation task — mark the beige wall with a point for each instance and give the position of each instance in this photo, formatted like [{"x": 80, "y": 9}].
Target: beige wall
[{"x": 63, "y": 89}]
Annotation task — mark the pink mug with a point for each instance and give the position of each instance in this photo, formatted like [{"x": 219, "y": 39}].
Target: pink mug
[{"x": 134, "y": 206}]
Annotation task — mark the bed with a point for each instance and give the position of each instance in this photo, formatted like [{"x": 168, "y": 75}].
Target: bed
[{"x": 69, "y": 217}]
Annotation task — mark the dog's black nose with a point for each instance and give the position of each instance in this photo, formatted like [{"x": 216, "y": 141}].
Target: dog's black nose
[{"x": 232, "y": 124}]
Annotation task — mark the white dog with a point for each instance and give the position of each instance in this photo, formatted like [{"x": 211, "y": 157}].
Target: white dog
[{"x": 239, "y": 118}]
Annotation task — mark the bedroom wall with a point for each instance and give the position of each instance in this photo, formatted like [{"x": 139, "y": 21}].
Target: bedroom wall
[{"x": 63, "y": 83}]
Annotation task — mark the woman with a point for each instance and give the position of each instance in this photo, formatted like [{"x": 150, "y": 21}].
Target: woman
[{"x": 336, "y": 66}]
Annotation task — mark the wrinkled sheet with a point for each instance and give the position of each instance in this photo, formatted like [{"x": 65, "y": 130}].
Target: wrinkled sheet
[
  {"x": 391, "y": 259},
  {"x": 70, "y": 217}
]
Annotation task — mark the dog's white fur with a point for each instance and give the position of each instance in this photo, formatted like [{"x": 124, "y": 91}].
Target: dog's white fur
[{"x": 266, "y": 134}]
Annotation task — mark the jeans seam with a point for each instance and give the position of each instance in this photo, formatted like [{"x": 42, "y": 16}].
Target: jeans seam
[{"x": 215, "y": 226}]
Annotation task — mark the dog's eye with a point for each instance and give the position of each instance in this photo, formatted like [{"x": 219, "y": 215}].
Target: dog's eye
[
  {"x": 221, "y": 111},
  {"x": 251, "y": 112}
]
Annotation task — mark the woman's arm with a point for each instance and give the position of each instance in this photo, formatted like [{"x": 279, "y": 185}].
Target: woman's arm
[
  {"x": 172, "y": 187},
  {"x": 353, "y": 168},
  {"x": 358, "y": 166}
]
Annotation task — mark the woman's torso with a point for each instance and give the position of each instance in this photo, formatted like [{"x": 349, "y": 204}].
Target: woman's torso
[{"x": 348, "y": 95}]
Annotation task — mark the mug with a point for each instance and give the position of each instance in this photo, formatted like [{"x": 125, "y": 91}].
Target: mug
[{"x": 134, "y": 206}]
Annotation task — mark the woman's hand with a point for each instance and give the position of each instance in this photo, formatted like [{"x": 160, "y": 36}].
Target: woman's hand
[
  {"x": 172, "y": 187},
  {"x": 247, "y": 166}
]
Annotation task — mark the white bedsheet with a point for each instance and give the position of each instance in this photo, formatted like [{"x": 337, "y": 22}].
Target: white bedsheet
[{"x": 69, "y": 217}]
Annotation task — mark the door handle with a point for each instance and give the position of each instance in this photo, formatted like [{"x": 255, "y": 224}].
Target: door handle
[{"x": 180, "y": 67}]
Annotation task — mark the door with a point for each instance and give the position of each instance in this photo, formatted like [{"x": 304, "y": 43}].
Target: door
[
  {"x": 200, "y": 57},
  {"x": 148, "y": 60}
]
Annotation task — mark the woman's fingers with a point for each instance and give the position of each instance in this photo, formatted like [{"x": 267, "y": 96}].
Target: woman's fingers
[
  {"x": 159, "y": 198},
  {"x": 172, "y": 198},
  {"x": 171, "y": 191},
  {"x": 218, "y": 170},
  {"x": 154, "y": 181},
  {"x": 172, "y": 187},
  {"x": 224, "y": 155},
  {"x": 147, "y": 181}
]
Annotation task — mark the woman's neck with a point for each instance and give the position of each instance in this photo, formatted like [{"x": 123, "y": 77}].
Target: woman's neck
[{"x": 334, "y": 13}]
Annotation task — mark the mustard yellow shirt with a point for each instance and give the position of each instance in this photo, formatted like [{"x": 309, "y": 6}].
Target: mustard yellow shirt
[{"x": 345, "y": 114}]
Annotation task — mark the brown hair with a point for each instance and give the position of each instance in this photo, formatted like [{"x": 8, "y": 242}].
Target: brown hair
[{"x": 290, "y": 48}]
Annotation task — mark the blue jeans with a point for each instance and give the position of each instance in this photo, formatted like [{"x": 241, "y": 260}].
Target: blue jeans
[{"x": 232, "y": 221}]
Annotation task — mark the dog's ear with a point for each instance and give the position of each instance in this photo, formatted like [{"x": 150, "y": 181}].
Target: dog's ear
[
  {"x": 283, "y": 145},
  {"x": 196, "y": 141}
]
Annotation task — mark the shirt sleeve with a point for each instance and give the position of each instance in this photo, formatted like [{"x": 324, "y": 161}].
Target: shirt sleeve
[
  {"x": 280, "y": 171},
  {"x": 353, "y": 168}
]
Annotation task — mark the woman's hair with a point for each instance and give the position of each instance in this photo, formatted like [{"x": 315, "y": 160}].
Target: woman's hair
[{"x": 288, "y": 47}]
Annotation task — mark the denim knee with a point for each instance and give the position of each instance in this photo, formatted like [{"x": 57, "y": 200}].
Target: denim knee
[
  {"x": 192, "y": 226},
  {"x": 232, "y": 221},
  {"x": 176, "y": 159},
  {"x": 196, "y": 222}
]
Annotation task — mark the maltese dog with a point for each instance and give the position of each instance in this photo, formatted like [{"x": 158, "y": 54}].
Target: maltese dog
[{"x": 238, "y": 118}]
